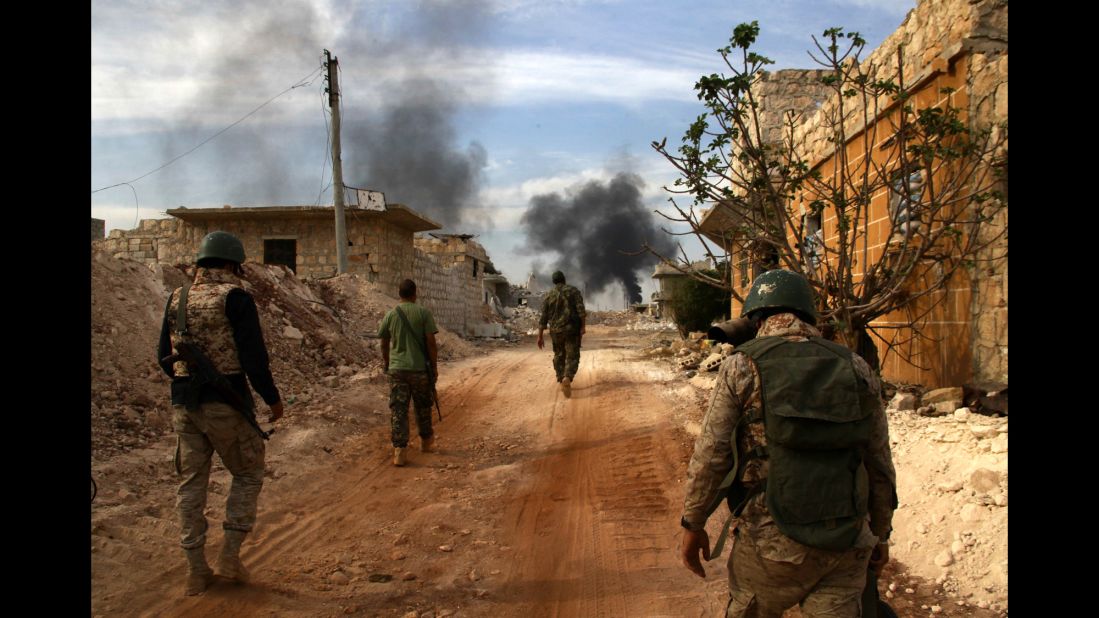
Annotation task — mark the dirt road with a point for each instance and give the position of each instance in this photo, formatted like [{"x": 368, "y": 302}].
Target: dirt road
[{"x": 534, "y": 505}]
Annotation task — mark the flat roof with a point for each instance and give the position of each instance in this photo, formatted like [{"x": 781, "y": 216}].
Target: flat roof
[{"x": 396, "y": 214}]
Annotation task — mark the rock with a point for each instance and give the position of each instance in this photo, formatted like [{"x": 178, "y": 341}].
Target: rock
[
  {"x": 690, "y": 374},
  {"x": 909, "y": 591},
  {"x": 957, "y": 547},
  {"x": 999, "y": 444},
  {"x": 446, "y": 548},
  {"x": 408, "y": 576},
  {"x": 945, "y": 558},
  {"x": 727, "y": 349},
  {"x": 474, "y": 576},
  {"x": 984, "y": 480},
  {"x": 380, "y": 578},
  {"x": 982, "y": 604},
  {"x": 972, "y": 513},
  {"x": 411, "y": 614},
  {"x": 892, "y": 586},
  {"x": 292, "y": 333},
  {"x": 920, "y": 528},
  {"x": 961, "y": 415},
  {"x": 940, "y": 395},
  {"x": 983, "y": 431},
  {"x": 1000, "y": 499},
  {"x": 344, "y": 371},
  {"x": 936, "y": 609},
  {"x": 904, "y": 401},
  {"x": 397, "y": 555},
  {"x": 889, "y": 594},
  {"x": 928, "y": 411},
  {"x": 331, "y": 381},
  {"x": 339, "y": 578},
  {"x": 401, "y": 539},
  {"x": 445, "y": 613},
  {"x": 950, "y": 487},
  {"x": 944, "y": 408}
]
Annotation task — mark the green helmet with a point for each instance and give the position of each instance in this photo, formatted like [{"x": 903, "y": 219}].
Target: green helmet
[
  {"x": 781, "y": 289},
  {"x": 558, "y": 277},
  {"x": 221, "y": 245}
]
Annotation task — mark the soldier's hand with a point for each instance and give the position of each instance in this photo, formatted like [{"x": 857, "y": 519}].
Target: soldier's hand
[
  {"x": 879, "y": 557},
  {"x": 276, "y": 412},
  {"x": 540, "y": 342},
  {"x": 693, "y": 541}
]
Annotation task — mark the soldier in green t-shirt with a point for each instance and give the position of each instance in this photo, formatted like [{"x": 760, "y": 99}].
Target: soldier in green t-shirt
[{"x": 407, "y": 331}]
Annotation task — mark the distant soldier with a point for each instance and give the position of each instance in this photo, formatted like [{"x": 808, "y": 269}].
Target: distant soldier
[
  {"x": 220, "y": 319},
  {"x": 411, "y": 358},
  {"x": 563, "y": 312},
  {"x": 796, "y": 441}
]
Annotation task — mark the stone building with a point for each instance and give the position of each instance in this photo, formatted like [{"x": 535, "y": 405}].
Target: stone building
[
  {"x": 383, "y": 248},
  {"x": 949, "y": 49},
  {"x": 667, "y": 279}
]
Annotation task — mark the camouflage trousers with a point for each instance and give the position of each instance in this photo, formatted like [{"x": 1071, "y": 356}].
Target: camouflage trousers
[
  {"x": 566, "y": 354},
  {"x": 405, "y": 386},
  {"x": 216, "y": 427},
  {"x": 825, "y": 583}
]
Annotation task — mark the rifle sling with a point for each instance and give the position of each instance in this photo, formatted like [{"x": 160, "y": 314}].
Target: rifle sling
[{"x": 422, "y": 344}]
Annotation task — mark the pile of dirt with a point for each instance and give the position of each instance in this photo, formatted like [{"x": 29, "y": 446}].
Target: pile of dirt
[{"x": 321, "y": 337}]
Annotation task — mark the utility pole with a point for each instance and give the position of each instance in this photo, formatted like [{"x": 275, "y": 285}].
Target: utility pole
[{"x": 337, "y": 165}]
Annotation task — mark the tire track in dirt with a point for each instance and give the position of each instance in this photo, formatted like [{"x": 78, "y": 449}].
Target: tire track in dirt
[{"x": 553, "y": 506}]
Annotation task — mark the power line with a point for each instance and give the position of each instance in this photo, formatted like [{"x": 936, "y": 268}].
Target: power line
[{"x": 305, "y": 81}]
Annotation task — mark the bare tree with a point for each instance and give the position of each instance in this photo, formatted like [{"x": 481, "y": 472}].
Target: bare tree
[{"x": 941, "y": 175}]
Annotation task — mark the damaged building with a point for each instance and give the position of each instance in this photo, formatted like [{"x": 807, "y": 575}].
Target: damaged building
[{"x": 383, "y": 248}]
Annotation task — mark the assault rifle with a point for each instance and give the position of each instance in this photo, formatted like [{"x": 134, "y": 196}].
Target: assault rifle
[{"x": 204, "y": 373}]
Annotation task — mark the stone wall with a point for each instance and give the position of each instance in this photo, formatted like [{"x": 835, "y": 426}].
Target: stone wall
[
  {"x": 385, "y": 254},
  {"x": 98, "y": 228},
  {"x": 960, "y": 44},
  {"x": 449, "y": 273}
]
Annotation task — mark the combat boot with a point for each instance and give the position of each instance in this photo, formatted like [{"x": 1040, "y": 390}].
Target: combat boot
[
  {"x": 229, "y": 565},
  {"x": 199, "y": 574},
  {"x": 566, "y": 387},
  {"x": 399, "y": 456},
  {"x": 427, "y": 445}
]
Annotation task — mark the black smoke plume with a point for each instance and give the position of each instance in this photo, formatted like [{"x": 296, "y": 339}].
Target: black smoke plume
[{"x": 592, "y": 227}]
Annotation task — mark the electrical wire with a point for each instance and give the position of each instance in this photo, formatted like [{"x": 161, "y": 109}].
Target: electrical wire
[{"x": 305, "y": 81}]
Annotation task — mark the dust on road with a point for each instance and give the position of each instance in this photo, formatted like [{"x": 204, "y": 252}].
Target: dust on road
[{"x": 534, "y": 505}]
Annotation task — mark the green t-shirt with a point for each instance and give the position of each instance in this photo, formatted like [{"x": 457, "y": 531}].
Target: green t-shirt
[{"x": 404, "y": 351}]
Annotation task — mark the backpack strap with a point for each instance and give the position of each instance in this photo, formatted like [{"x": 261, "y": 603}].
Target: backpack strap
[{"x": 422, "y": 344}]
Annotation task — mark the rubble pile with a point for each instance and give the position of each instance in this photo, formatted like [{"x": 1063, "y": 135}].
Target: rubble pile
[
  {"x": 320, "y": 335},
  {"x": 951, "y": 525}
]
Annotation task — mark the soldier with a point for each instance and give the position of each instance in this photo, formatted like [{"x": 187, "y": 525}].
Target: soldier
[
  {"x": 563, "y": 311},
  {"x": 221, "y": 320},
  {"x": 412, "y": 360},
  {"x": 796, "y": 431}
]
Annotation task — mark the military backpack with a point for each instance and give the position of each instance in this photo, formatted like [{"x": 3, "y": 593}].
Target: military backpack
[{"x": 817, "y": 415}]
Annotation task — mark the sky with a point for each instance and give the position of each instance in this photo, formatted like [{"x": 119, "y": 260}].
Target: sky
[{"x": 501, "y": 118}]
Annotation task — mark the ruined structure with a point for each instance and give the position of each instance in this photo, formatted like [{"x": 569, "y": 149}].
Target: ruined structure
[
  {"x": 382, "y": 248},
  {"x": 956, "y": 45},
  {"x": 98, "y": 228},
  {"x": 668, "y": 278}
]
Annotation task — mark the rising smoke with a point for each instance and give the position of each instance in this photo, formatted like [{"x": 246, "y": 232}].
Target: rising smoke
[
  {"x": 403, "y": 141},
  {"x": 592, "y": 227}
]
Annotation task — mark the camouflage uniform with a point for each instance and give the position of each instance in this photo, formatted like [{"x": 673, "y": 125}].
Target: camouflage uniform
[
  {"x": 563, "y": 312},
  {"x": 768, "y": 571},
  {"x": 404, "y": 386},
  {"x": 214, "y": 426}
]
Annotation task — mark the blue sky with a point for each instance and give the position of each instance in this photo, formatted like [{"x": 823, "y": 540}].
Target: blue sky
[{"x": 552, "y": 93}]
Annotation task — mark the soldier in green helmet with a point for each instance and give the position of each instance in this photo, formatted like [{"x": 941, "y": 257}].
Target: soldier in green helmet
[
  {"x": 795, "y": 441},
  {"x": 219, "y": 318}
]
